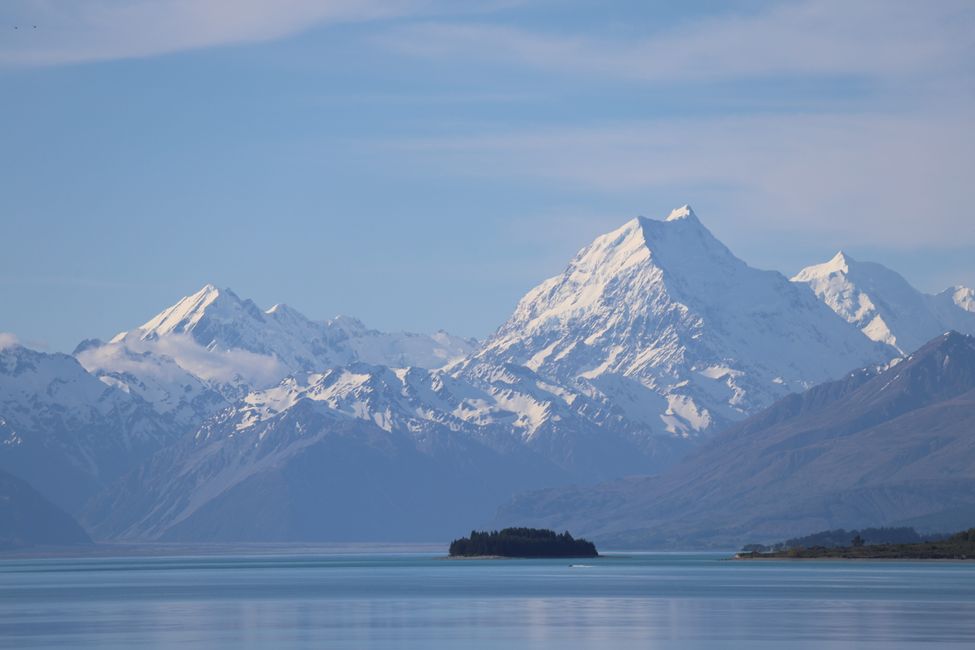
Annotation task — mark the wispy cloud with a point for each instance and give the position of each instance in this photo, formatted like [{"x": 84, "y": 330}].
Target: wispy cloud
[
  {"x": 888, "y": 169},
  {"x": 818, "y": 37},
  {"x": 897, "y": 180},
  {"x": 189, "y": 356},
  {"x": 73, "y": 32},
  {"x": 8, "y": 340}
]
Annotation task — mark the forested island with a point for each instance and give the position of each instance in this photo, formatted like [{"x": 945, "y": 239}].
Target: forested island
[
  {"x": 960, "y": 546},
  {"x": 522, "y": 543}
]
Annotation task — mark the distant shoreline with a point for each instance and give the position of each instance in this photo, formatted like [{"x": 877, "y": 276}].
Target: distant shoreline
[
  {"x": 843, "y": 558},
  {"x": 217, "y": 549}
]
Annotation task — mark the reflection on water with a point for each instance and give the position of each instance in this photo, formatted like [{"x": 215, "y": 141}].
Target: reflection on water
[{"x": 421, "y": 601}]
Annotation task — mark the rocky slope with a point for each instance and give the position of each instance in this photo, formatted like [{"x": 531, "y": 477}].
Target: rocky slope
[{"x": 875, "y": 448}]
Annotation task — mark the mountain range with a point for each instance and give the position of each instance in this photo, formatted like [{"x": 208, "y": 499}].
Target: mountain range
[
  {"x": 877, "y": 447},
  {"x": 882, "y": 304},
  {"x": 217, "y": 420},
  {"x": 213, "y": 347}
]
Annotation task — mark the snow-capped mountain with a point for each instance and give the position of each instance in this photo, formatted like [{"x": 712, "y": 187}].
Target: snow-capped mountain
[
  {"x": 264, "y": 424},
  {"x": 311, "y": 473},
  {"x": 485, "y": 428},
  {"x": 884, "y": 305},
  {"x": 156, "y": 377},
  {"x": 655, "y": 333},
  {"x": 213, "y": 346},
  {"x": 665, "y": 310},
  {"x": 887, "y": 447},
  {"x": 67, "y": 433},
  {"x": 218, "y": 320}
]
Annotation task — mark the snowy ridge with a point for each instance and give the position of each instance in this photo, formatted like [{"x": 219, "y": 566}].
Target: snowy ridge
[
  {"x": 669, "y": 307},
  {"x": 499, "y": 405},
  {"x": 218, "y": 320},
  {"x": 533, "y": 432},
  {"x": 883, "y": 305},
  {"x": 157, "y": 378},
  {"x": 213, "y": 346}
]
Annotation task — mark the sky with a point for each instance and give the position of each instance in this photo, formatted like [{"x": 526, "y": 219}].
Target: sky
[{"x": 422, "y": 164}]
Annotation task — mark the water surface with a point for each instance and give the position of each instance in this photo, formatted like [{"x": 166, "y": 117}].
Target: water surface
[{"x": 422, "y": 601}]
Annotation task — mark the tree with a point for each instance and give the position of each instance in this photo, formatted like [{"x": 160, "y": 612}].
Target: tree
[
  {"x": 857, "y": 541},
  {"x": 522, "y": 542}
]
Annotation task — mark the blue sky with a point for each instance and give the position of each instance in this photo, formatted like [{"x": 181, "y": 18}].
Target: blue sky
[{"x": 421, "y": 164}]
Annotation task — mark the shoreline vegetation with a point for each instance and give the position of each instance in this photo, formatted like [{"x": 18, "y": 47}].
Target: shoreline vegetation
[
  {"x": 960, "y": 546},
  {"x": 521, "y": 543}
]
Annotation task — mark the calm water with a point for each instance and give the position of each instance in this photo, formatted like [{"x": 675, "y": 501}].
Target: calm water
[{"x": 417, "y": 600}]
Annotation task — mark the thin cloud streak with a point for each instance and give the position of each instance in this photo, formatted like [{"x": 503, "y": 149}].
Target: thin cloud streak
[
  {"x": 891, "y": 173},
  {"x": 98, "y": 30},
  {"x": 896, "y": 180},
  {"x": 822, "y": 37}
]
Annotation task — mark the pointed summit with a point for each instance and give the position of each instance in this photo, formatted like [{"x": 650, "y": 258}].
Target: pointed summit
[
  {"x": 839, "y": 263},
  {"x": 699, "y": 336},
  {"x": 683, "y": 212},
  {"x": 841, "y": 257},
  {"x": 882, "y": 304},
  {"x": 229, "y": 341},
  {"x": 185, "y": 315}
]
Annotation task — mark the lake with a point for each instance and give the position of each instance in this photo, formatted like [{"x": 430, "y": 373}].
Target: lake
[{"x": 397, "y": 599}]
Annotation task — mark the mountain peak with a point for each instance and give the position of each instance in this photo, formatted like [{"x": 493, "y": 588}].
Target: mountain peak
[
  {"x": 952, "y": 341},
  {"x": 839, "y": 263},
  {"x": 944, "y": 366},
  {"x": 184, "y": 316},
  {"x": 282, "y": 309},
  {"x": 841, "y": 257},
  {"x": 205, "y": 295},
  {"x": 349, "y": 325},
  {"x": 208, "y": 295},
  {"x": 954, "y": 338},
  {"x": 883, "y": 304},
  {"x": 842, "y": 261},
  {"x": 683, "y": 212},
  {"x": 664, "y": 307}
]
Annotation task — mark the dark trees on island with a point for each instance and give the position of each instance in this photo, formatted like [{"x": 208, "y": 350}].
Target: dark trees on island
[{"x": 522, "y": 542}]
